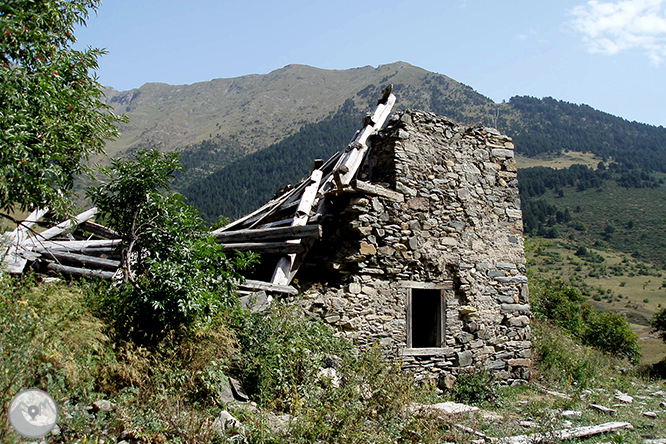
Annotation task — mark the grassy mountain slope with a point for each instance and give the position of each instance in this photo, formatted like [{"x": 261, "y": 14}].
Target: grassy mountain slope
[{"x": 259, "y": 110}]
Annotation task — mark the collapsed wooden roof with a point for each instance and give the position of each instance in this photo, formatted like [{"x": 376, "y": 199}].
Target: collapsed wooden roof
[{"x": 287, "y": 225}]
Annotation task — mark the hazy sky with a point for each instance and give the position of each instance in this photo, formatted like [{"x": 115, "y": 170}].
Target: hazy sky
[{"x": 609, "y": 54}]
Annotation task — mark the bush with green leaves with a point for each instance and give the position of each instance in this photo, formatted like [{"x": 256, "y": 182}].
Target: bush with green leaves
[
  {"x": 474, "y": 386},
  {"x": 563, "y": 305},
  {"x": 563, "y": 361},
  {"x": 294, "y": 363},
  {"x": 283, "y": 352},
  {"x": 610, "y": 332},
  {"x": 659, "y": 323},
  {"x": 174, "y": 273}
]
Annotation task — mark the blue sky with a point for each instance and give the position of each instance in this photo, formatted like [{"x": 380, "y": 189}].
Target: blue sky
[{"x": 608, "y": 54}]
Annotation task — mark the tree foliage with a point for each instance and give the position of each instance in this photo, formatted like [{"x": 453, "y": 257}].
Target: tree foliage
[
  {"x": 659, "y": 323},
  {"x": 553, "y": 126},
  {"x": 51, "y": 112},
  {"x": 174, "y": 272},
  {"x": 563, "y": 305}
]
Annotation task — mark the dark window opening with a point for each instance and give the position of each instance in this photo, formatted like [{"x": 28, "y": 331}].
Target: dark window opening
[{"x": 426, "y": 318}]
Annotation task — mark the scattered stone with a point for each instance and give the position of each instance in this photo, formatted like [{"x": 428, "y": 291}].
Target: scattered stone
[
  {"x": 102, "y": 406},
  {"x": 257, "y": 302},
  {"x": 225, "y": 394},
  {"x": 225, "y": 421},
  {"x": 623, "y": 397},
  {"x": 331, "y": 375},
  {"x": 278, "y": 423},
  {"x": 566, "y": 434},
  {"x": 447, "y": 382},
  {"x": 527, "y": 423},
  {"x": 650, "y": 414},
  {"x": 552, "y": 392},
  {"x": 602, "y": 409},
  {"x": 444, "y": 408},
  {"x": 238, "y": 391},
  {"x": 571, "y": 414},
  {"x": 658, "y": 393},
  {"x": 490, "y": 416}
]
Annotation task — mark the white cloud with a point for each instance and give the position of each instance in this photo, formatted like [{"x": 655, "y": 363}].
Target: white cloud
[{"x": 613, "y": 26}]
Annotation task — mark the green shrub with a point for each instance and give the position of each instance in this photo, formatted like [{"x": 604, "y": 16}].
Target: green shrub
[
  {"x": 563, "y": 361},
  {"x": 610, "y": 332},
  {"x": 49, "y": 339},
  {"x": 474, "y": 387},
  {"x": 563, "y": 305},
  {"x": 174, "y": 273},
  {"x": 659, "y": 323},
  {"x": 558, "y": 302},
  {"x": 283, "y": 352}
]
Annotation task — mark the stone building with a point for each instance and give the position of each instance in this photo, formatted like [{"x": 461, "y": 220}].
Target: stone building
[
  {"x": 411, "y": 238},
  {"x": 433, "y": 269}
]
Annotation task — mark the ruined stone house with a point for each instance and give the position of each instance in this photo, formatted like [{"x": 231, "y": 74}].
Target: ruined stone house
[
  {"x": 421, "y": 251},
  {"x": 411, "y": 238}
]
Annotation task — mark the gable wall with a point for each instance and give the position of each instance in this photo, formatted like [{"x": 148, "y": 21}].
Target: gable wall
[{"x": 456, "y": 224}]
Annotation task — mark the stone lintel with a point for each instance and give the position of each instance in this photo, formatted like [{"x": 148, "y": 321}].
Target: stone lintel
[{"x": 446, "y": 285}]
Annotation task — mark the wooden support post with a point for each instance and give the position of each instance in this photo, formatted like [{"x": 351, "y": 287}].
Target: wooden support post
[
  {"x": 99, "y": 230},
  {"x": 283, "y": 270},
  {"x": 83, "y": 259},
  {"x": 287, "y": 247},
  {"x": 105, "y": 244},
  {"x": 268, "y": 286}
]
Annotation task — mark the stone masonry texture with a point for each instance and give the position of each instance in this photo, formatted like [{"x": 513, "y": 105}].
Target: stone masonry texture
[{"x": 454, "y": 223}]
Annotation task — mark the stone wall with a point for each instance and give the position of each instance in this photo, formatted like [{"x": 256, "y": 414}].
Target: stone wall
[{"x": 453, "y": 225}]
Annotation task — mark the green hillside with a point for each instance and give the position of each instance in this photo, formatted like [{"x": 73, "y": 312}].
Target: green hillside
[
  {"x": 243, "y": 185},
  {"x": 259, "y": 110}
]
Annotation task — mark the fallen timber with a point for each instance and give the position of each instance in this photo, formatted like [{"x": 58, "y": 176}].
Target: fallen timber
[{"x": 285, "y": 227}]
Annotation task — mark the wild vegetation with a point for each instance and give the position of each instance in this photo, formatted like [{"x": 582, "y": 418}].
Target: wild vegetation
[
  {"x": 172, "y": 390},
  {"x": 160, "y": 344},
  {"x": 52, "y": 111}
]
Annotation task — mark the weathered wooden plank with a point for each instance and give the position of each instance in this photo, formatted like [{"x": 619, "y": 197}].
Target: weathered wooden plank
[
  {"x": 75, "y": 271},
  {"x": 77, "y": 245},
  {"x": 83, "y": 259},
  {"x": 359, "y": 146},
  {"x": 99, "y": 230},
  {"x": 258, "y": 215},
  {"x": 14, "y": 257},
  {"x": 269, "y": 234},
  {"x": 278, "y": 223},
  {"x": 282, "y": 274},
  {"x": 378, "y": 190},
  {"x": 265, "y": 247},
  {"x": 268, "y": 286},
  {"x": 577, "y": 432},
  {"x": 61, "y": 227}
]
